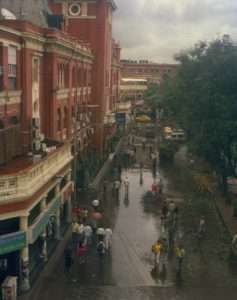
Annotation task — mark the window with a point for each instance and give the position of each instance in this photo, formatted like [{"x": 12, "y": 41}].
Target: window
[
  {"x": 65, "y": 118},
  {"x": 35, "y": 70},
  {"x": 1, "y": 124},
  {"x": 61, "y": 76},
  {"x": 12, "y": 67},
  {"x": 59, "y": 119}
]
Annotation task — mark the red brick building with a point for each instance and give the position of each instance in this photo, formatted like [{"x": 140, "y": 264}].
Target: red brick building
[
  {"x": 45, "y": 85},
  {"x": 145, "y": 69},
  {"x": 59, "y": 85},
  {"x": 91, "y": 21}
]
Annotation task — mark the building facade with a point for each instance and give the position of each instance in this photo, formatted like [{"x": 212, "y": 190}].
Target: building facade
[
  {"x": 91, "y": 21},
  {"x": 144, "y": 69},
  {"x": 59, "y": 85},
  {"x": 45, "y": 80}
]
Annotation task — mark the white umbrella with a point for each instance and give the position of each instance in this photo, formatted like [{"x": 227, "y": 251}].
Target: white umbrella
[{"x": 95, "y": 203}]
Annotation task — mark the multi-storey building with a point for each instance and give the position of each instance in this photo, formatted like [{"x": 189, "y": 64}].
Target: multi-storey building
[
  {"x": 45, "y": 78},
  {"x": 144, "y": 69},
  {"x": 91, "y": 21},
  {"x": 59, "y": 83}
]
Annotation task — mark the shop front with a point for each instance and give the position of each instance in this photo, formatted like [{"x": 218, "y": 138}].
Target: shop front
[
  {"x": 43, "y": 236},
  {"x": 10, "y": 248},
  {"x": 65, "y": 207}
]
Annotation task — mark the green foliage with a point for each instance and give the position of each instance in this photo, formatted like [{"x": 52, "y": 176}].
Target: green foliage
[
  {"x": 167, "y": 151},
  {"x": 203, "y": 100},
  {"x": 152, "y": 96}
]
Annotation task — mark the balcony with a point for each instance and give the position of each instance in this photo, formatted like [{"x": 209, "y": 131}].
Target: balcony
[
  {"x": 10, "y": 97},
  {"x": 24, "y": 178}
]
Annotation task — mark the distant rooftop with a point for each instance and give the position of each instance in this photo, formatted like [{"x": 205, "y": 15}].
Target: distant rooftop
[
  {"x": 34, "y": 11},
  {"x": 134, "y": 80}
]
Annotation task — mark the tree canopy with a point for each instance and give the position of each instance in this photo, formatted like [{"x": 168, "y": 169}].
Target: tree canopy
[{"x": 202, "y": 98}]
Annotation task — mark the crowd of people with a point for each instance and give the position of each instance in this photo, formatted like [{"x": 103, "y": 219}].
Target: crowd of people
[{"x": 86, "y": 236}]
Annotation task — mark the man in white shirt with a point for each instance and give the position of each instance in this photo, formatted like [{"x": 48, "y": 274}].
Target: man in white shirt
[
  {"x": 108, "y": 238},
  {"x": 100, "y": 233},
  {"x": 88, "y": 234},
  {"x": 126, "y": 185}
]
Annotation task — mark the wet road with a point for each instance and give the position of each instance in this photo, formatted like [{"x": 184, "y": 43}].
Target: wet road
[{"x": 127, "y": 272}]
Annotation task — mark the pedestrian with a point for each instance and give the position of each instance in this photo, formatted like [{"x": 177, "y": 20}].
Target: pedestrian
[
  {"x": 180, "y": 254},
  {"x": 108, "y": 238},
  {"x": 80, "y": 232},
  {"x": 81, "y": 252},
  {"x": 75, "y": 228},
  {"x": 172, "y": 207},
  {"x": 84, "y": 215},
  {"x": 156, "y": 249},
  {"x": 101, "y": 248},
  {"x": 116, "y": 188},
  {"x": 88, "y": 235},
  {"x": 68, "y": 261},
  {"x": 163, "y": 253},
  {"x": 202, "y": 227},
  {"x": 164, "y": 210},
  {"x": 126, "y": 186},
  {"x": 105, "y": 188},
  {"x": 100, "y": 234}
]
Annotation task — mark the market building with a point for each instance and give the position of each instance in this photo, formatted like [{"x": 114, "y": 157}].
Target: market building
[
  {"x": 59, "y": 85},
  {"x": 43, "y": 85}
]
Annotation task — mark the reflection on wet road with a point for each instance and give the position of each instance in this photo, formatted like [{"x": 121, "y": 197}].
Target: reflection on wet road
[{"x": 128, "y": 271}]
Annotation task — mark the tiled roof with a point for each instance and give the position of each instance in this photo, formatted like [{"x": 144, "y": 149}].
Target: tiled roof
[{"x": 29, "y": 10}]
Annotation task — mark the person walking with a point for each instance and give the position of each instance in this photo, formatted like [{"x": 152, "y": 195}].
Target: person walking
[
  {"x": 101, "y": 248},
  {"x": 108, "y": 238},
  {"x": 88, "y": 235},
  {"x": 126, "y": 186},
  {"x": 180, "y": 254},
  {"x": 81, "y": 252},
  {"x": 68, "y": 261},
  {"x": 116, "y": 188},
  {"x": 156, "y": 249},
  {"x": 80, "y": 233},
  {"x": 75, "y": 228},
  {"x": 100, "y": 234}
]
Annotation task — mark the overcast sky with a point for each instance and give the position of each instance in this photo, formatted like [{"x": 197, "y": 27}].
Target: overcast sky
[{"x": 157, "y": 29}]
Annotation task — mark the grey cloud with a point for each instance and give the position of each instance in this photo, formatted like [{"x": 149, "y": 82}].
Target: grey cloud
[{"x": 157, "y": 29}]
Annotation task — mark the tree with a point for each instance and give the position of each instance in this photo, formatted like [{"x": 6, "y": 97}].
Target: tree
[{"x": 202, "y": 98}]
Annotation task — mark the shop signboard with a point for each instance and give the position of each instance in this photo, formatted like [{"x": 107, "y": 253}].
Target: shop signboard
[
  {"x": 12, "y": 242},
  {"x": 38, "y": 227}
]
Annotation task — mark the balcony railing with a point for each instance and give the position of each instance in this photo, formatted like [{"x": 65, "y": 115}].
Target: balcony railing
[{"x": 28, "y": 181}]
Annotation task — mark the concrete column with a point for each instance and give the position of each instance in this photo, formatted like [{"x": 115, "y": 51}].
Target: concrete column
[
  {"x": 44, "y": 253},
  {"x": 57, "y": 188},
  {"x": 25, "y": 273},
  {"x": 43, "y": 204},
  {"x": 57, "y": 225},
  {"x": 68, "y": 177},
  {"x": 69, "y": 210}
]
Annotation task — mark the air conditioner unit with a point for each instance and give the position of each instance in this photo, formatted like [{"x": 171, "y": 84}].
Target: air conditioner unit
[
  {"x": 44, "y": 147},
  {"x": 37, "y": 145},
  {"x": 36, "y": 134},
  {"x": 36, "y": 122},
  {"x": 42, "y": 137}
]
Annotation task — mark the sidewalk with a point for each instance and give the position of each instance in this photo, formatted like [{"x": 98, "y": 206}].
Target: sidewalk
[
  {"x": 50, "y": 266},
  {"x": 226, "y": 213}
]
